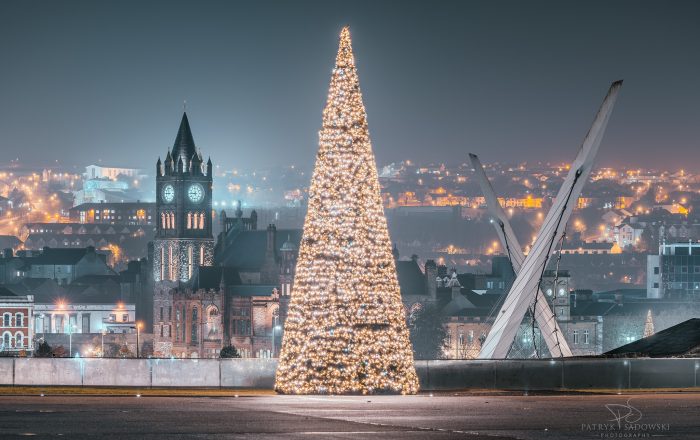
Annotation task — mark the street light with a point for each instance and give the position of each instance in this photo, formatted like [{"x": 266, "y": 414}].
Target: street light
[
  {"x": 70, "y": 339},
  {"x": 275, "y": 327},
  {"x": 138, "y": 333},
  {"x": 104, "y": 331}
]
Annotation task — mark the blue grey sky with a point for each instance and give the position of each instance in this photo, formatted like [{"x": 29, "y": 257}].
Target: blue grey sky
[{"x": 511, "y": 81}]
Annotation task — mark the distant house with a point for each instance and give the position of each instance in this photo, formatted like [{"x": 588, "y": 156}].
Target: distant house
[
  {"x": 62, "y": 265},
  {"x": 628, "y": 234},
  {"x": 15, "y": 322}
]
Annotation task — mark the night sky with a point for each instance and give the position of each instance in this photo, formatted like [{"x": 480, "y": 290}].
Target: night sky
[{"x": 511, "y": 81}]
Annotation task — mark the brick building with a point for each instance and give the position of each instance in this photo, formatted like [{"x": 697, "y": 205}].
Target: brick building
[{"x": 16, "y": 332}]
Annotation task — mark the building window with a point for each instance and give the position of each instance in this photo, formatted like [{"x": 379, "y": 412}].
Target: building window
[
  {"x": 171, "y": 263},
  {"x": 161, "y": 313},
  {"x": 86, "y": 323},
  {"x": 6, "y": 340},
  {"x": 585, "y": 336},
  {"x": 656, "y": 270},
  {"x": 656, "y": 285},
  {"x": 194, "y": 325},
  {"x": 125, "y": 317},
  {"x": 470, "y": 339},
  {"x": 162, "y": 264},
  {"x": 19, "y": 340},
  {"x": 190, "y": 261},
  {"x": 241, "y": 327},
  {"x": 575, "y": 336},
  {"x": 6, "y": 318},
  {"x": 72, "y": 323}
]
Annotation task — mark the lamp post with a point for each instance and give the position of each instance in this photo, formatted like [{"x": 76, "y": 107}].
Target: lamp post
[
  {"x": 275, "y": 327},
  {"x": 103, "y": 342},
  {"x": 70, "y": 339},
  {"x": 138, "y": 333}
]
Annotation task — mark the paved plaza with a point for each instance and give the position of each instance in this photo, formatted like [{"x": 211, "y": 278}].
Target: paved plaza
[{"x": 443, "y": 416}]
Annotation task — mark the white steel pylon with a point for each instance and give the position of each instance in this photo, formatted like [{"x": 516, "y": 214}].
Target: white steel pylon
[
  {"x": 549, "y": 327},
  {"x": 525, "y": 287}
]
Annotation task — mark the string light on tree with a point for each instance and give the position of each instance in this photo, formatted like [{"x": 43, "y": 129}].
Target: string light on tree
[{"x": 345, "y": 331}]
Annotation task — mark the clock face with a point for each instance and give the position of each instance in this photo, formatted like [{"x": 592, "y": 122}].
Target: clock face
[
  {"x": 168, "y": 193},
  {"x": 195, "y": 193}
]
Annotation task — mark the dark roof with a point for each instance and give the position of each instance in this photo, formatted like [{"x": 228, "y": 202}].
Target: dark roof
[
  {"x": 184, "y": 142},
  {"x": 6, "y": 292},
  {"x": 46, "y": 291},
  {"x": 60, "y": 256},
  {"x": 252, "y": 290},
  {"x": 127, "y": 205},
  {"x": 679, "y": 340},
  {"x": 411, "y": 278},
  {"x": 479, "y": 312},
  {"x": 487, "y": 300},
  {"x": 96, "y": 279},
  {"x": 630, "y": 308},
  {"x": 245, "y": 250},
  {"x": 210, "y": 277},
  {"x": 9, "y": 241}
]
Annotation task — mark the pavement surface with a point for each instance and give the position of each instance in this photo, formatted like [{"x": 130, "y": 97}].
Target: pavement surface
[{"x": 425, "y": 416}]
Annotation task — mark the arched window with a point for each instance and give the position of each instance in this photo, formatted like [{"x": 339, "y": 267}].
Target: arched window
[
  {"x": 19, "y": 340},
  {"x": 190, "y": 261},
  {"x": 189, "y": 220},
  {"x": 162, "y": 264},
  {"x": 195, "y": 324},
  {"x": 6, "y": 340},
  {"x": 6, "y": 320},
  {"x": 212, "y": 321},
  {"x": 171, "y": 264},
  {"x": 19, "y": 320},
  {"x": 172, "y": 220},
  {"x": 162, "y": 220},
  {"x": 201, "y": 255},
  {"x": 201, "y": 220}
]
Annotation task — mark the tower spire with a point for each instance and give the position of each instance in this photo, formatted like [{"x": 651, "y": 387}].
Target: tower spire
[{"x": 184, "y": 147}]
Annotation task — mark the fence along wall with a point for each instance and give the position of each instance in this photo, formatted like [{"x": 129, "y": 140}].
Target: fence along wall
[{"x": 568, "y": 374}]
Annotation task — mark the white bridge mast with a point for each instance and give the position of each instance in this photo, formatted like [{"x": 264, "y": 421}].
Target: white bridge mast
[
  {"x": 525, "y": 287},
  {"x": 549, "y": 327}
]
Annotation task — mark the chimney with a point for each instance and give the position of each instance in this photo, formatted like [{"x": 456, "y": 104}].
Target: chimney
[{"x": 271, "y": 236}]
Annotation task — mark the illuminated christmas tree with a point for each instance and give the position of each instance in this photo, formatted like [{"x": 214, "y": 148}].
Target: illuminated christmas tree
[
  {"x": 345, "y": 330},
  {"x": 649, "y": 325}
]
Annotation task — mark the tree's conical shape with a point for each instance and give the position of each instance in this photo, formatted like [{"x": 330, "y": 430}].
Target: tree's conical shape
[
  {"x": 649, "y": 325},
  {"x": 345, "y": 331}
]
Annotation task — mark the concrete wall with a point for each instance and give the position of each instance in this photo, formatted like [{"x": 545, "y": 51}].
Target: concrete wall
[{"x": 568, "y": 374}]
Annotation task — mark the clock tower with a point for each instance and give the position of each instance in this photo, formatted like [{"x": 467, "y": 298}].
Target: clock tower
[{"x": 183, "y": 238}]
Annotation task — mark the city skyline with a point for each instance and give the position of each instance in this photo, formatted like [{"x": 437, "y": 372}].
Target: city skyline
[{"x": 251, "y": 76}]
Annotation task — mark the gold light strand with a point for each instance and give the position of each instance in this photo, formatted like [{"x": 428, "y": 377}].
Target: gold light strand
[{"x": 345, "y": 331}]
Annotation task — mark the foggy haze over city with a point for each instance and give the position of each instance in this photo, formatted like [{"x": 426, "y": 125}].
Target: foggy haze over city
[
  {"x": 370, "y": 219},
  {"x": 511, "y": 81}
]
